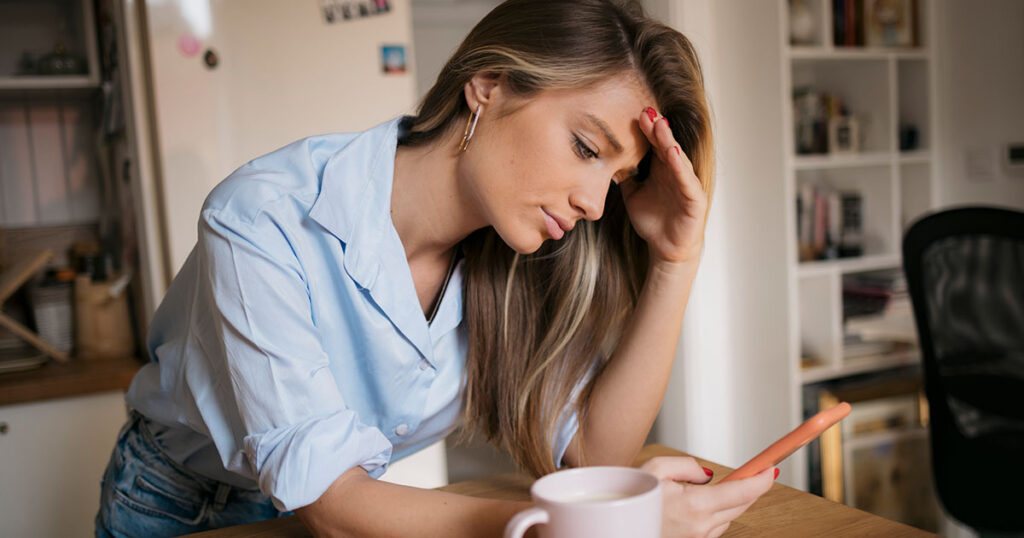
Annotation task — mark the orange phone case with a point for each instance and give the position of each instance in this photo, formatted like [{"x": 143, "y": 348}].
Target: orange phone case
[{"x": 781, "y": 449}]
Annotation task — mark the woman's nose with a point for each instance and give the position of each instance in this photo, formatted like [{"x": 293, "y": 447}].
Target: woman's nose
[{"x": 589, "y": 201}]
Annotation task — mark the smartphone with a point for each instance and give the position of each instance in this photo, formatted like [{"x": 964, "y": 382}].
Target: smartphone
[{"x": 781, "y": 449}]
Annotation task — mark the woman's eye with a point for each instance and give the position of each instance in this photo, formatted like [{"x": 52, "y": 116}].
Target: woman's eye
[{"x": 582, "y": 149}]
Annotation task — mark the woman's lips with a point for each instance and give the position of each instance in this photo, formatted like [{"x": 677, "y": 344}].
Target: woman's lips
[{"x": 554, "y": 230}]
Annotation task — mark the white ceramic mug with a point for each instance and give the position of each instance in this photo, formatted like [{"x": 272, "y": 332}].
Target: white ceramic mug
[{"x": 593, "y": 502}]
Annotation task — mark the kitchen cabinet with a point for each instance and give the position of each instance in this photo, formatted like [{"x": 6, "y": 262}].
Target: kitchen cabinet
[{"x": 52, "y": 456}]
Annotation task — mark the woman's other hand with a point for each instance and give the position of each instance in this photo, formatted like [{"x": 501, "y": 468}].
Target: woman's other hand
[
  {"x": 668, "y": 208},
  {"x": 691, "y": 509}
]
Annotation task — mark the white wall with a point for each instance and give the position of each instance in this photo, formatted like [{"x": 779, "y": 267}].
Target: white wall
[
  {"x": 438, "y": 27},
  {"x": 980, "y": 72},
  {"x": 731, "y": 392}
]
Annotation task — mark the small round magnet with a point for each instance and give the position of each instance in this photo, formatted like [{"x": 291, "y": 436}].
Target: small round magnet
[{"x": 188, "y": 45}]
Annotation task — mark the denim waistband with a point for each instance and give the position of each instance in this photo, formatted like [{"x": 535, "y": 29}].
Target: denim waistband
[{"x": 138, "y": 421}]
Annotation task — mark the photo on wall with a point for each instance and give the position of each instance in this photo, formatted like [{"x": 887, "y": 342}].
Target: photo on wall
[{"x": 392, "y": 59}]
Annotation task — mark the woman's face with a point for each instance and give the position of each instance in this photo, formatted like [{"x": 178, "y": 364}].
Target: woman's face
[{"x": 535, "y": 166}]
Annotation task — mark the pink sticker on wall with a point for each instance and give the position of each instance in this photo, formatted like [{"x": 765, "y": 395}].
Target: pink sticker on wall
[{"x": 188, "y": 45}]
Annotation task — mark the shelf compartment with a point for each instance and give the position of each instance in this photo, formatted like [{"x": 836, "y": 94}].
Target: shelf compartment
[
  {"x": 912, "y": 91},
  {"x": 863, "y": 86},
  {"x": 820, "y": 319},
  {"x": 35, "y": 28},
  {"x": 875, "y": 185}
]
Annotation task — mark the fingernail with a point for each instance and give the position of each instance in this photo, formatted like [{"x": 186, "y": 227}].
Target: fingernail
[
  {"x": 776, "y": 474},
  {"x": 651, "y": 114},
  {"x": 707, "y": 471},
  {"x": 666, "y": 120},
  {"x": 678, "y": 151}
]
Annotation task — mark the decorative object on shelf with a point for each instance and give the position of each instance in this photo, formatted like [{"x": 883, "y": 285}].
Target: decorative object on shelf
[
  {"x": 843, "y": 135},
  {"x": 802, "y": 27},
  {"x": 59, "y": 62},
  {"x": 26, "y": 64},
  {"x": 823, "y": 123},
  {"x": 809, "y": 120},
  {"x": 851, "y": 239},
  {"x": 889, "y": 23},
  {"x": 908, "y": 137}
]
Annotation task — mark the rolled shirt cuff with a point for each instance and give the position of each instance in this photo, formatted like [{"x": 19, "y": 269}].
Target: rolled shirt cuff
[{"x": 296, "y": 464}]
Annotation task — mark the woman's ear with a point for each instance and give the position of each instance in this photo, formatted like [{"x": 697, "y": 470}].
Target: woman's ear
[{"x": 483, "y": 89}]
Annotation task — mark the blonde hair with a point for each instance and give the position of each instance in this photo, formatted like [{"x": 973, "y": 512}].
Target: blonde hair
[{"x": 540, "y": 324}]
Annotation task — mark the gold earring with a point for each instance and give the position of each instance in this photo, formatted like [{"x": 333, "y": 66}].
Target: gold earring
[{"x": 470, "y": 128}]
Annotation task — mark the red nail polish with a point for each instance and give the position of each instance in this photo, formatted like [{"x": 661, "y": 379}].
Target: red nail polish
[
  {"x": 651, "y": 114},
  {"x": 776, "y": 474},
  {"x": 679, "y": 152},
  {"x": 707, "y": 471}
]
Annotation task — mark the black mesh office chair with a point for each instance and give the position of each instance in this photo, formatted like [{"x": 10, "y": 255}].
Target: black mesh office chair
[{"x": 965, "y": 272}]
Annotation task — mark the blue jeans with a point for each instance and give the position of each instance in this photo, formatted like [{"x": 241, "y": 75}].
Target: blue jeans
[{"x": 145, "y": 493}]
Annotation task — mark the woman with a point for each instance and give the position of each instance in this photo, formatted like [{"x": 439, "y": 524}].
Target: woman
[{"x": 519, "y": 253}]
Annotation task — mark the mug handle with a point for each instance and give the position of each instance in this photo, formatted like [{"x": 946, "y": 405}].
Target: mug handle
[{"x": 517, "y": 526}]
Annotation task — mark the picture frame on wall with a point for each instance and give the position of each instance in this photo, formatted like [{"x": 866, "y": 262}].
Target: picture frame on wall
[{"x": 890, "y": 23}]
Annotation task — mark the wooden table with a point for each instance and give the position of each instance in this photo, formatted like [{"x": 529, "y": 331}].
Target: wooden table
[{"x": 783, "y": 511}]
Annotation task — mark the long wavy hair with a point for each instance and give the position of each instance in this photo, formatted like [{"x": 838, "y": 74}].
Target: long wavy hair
[{"x": 543, "y": 326}]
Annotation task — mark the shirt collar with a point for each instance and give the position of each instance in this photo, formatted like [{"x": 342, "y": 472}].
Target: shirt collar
[{"x": 354, "y": 205}]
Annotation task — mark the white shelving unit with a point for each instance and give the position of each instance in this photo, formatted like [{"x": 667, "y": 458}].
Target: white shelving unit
[
  {"x": 883, "y": 88},
  {"x": 48, "y": 160},
  {"x": 35, "y": 26}
]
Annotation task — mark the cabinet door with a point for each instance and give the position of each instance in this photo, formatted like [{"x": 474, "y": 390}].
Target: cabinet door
[{"x": 52, "y": 457}]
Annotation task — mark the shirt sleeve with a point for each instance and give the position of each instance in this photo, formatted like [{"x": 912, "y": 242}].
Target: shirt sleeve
[
  {"x": 570, "y": 421},
  {"x": 292, "y": 425}
]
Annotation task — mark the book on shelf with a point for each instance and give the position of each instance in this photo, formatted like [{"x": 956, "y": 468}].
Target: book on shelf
[
  {"x": 877, "y": 313},
  {"x": 873, "y": 293},
  {"x": 828, "y": 223},
  {"x": 848, "y": 23}
]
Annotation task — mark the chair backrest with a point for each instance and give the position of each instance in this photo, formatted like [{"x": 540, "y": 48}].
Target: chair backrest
[{"x": 965, "y": 273}]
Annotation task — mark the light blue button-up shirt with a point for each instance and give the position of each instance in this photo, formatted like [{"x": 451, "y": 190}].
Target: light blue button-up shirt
[{"x": 291, "y": 346}]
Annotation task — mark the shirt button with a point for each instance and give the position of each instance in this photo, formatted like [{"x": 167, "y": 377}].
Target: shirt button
[
  {"x": 424, "y": 364},
  {"x": 402, "y": 429}
]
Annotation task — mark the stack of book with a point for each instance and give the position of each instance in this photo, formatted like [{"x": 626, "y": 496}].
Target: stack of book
[
  {"x": 877, "y": 314},
  {"x": 828, "y": 223}
]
